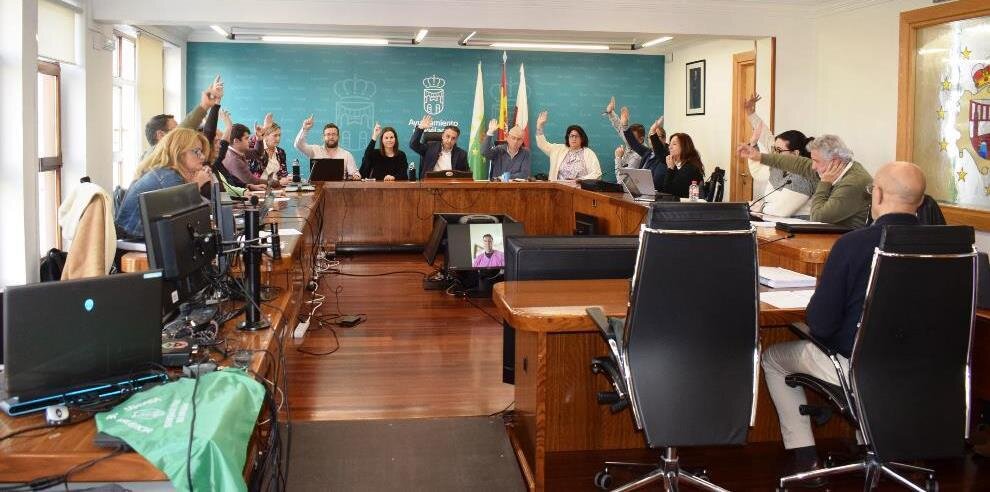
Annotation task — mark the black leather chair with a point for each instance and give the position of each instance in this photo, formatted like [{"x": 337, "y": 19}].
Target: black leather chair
[
  {"x": 907, "y": 387},
  {"x": 715, "y": 186},
  {"x": 562, "y": 258},
  {"x": 685, "y": 358}
]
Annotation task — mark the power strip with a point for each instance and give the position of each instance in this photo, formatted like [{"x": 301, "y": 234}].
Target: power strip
[{"x": 301, "y": 329}]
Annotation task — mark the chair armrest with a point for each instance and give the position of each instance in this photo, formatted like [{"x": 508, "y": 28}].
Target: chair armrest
[
  {"x": 803, "y": 331},
  {"x": 601, "y": 321}
]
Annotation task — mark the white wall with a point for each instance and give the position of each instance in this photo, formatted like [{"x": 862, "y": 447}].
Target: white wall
[
  {"x": 19, "y": 153},
  {"x": 712, "y": 131}
]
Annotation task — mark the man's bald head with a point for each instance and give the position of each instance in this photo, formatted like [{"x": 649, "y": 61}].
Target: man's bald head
[
  {"x": 514, "y": 138},
  {"x": 898, "y": 187}
]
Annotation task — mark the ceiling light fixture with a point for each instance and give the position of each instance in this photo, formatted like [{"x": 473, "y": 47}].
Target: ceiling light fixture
[
  {"x": 325, "y": 40},
  {"x": 420, "y": 35},
  {"x": 656, "y": 41},
  {"x": 221, "y": 31},
  {"x": 552, "y": 46},
  {"x": 465, "y": 39}
]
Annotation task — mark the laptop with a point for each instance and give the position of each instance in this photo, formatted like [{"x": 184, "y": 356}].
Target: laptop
[
  {"x": 450, "y": 174},
  {"x": 326, "y": 170},
  {"x": 60, "y": 336},
  {"x": 638, "y": 183}
]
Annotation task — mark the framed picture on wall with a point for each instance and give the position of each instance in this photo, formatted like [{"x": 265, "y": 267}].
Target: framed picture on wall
[{"x": 695, "y": 72}]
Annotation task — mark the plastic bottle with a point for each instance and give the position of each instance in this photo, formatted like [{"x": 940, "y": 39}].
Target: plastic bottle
[
  {"x": 694, "y": 191},
  {"x": 295, "y": 171},
  {"x": 411, "y": 173}
]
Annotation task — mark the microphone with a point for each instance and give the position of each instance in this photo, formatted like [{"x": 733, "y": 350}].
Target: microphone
[
  {"x": 789, "y": 236},
  {"x": 785, "y": 183}
]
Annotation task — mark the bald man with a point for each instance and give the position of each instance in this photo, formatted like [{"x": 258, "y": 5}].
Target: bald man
[
  {"x": 510, "y": 157},
  {"x": 834, "y": 311}
]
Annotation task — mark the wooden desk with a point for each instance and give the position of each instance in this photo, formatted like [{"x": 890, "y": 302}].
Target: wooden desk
[
  {"x": 556, "y": 410},
  {"x": 59, "y": 449}
]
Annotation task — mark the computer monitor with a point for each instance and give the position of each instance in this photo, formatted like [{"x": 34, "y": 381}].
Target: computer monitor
[
  {"x": 222, "y": 208},
  {"x": 180, "y": 240},
  {"x": 58, "y": 335},
  {"x": 479, "y": 246},
  {"x": 326, "y": 170}
]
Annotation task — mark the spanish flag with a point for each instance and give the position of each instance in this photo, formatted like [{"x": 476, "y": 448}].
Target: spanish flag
[{"x": 503, "y": 103}]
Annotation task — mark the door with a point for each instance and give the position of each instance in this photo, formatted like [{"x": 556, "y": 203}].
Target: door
[{"x": 743, "y": 86}]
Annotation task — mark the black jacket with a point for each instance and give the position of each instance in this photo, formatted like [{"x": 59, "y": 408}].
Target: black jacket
[{"x": 431, "y": 152}]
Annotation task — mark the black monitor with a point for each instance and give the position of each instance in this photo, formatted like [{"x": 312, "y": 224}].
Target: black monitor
[
  {"x": 585, "y": 225},
  {"x": 479, "y": 246},
  {"x": 180, "y": 240},
  {"x": 62, "y": 334},
  {"x": 222, "y": 208}
]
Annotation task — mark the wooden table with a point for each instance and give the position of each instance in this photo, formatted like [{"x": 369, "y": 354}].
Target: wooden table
[
  {"x": 556, "y": 410},
  {"x": 59, "y": 449}
]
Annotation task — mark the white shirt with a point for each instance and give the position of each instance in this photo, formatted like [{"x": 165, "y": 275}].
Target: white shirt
[
  {"x": 322, "y": 152},
  {"x": 443, "y": 161}
]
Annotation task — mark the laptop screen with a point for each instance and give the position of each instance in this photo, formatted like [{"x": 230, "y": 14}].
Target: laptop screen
[{"x": 58, "y": 335}]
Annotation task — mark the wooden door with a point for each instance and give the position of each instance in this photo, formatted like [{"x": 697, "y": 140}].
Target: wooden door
[{"x": 743, "y": 86}]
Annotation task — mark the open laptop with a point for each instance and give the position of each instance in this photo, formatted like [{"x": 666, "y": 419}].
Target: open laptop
[
  {"x": 326, "y": 170},
  {"x": 638, "y": 183},
  {"x": 61, "y": 338}
]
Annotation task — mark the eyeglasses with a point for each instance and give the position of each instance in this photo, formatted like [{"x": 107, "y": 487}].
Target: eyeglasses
[
  {"x": 869, "y": 189},
  {"x": 197, "y": 152},
  {"x": 574, "y": 135},
  {"x": 778, "y": 150}
]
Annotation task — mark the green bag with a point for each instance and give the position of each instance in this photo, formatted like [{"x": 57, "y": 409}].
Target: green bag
[{"x": 156, "y": 424}]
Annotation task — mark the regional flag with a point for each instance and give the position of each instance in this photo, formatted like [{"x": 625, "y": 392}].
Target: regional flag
[{"x": 477, "y": 161}]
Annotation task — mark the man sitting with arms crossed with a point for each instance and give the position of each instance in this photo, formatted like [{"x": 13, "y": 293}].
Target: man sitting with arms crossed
[
  {"x": 836, "y": 307},
  {"x": 330, "y": 148},
  {"x": 509, "y": 158},
  {"x": 444, "y": 155},
  {"x": 840, "y": 182}
]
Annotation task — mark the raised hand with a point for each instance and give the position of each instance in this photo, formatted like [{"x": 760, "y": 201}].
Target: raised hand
[
  {"x": 308, "y": 123},
  {"x": 217, "y": 89},
  {"x": 748, "y": 152},
  {"x": 541, "y": 119},
  {"x": 750, "y": 104},
  {"x": 266, "y": 125},
  {"x": 492, "y": 126},
  {"x": 624, "y": 116},
  {"x": 619, "y": 152},
  {"x": 425, "y": 122},
  {"x": 376, "y": 131},
  {"x": 610, "y": 107},
  {"x": 225, "y": 118}
]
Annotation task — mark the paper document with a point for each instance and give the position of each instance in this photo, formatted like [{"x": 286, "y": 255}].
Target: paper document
[
  {"x": 763, "y": 224},
  {"x": 776, "y": 278},
  {"x": 787, "y": 299},
  {"x": 282, "y": 199}
]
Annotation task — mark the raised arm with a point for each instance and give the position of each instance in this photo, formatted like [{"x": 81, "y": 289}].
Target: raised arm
[
  {"x": 541, "y": 139},
  {"x": 300, "y": 142},
  {"x": 416, "y": 142},
  {"x": 488, "y": 147}
]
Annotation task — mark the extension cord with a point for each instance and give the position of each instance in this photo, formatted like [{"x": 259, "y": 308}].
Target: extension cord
[{"x": 301, "y": 328}]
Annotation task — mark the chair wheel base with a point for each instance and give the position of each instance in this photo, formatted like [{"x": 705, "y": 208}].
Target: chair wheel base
[
  {"x": 603, "y": 480},
  {"x": 931, "y": 485}
]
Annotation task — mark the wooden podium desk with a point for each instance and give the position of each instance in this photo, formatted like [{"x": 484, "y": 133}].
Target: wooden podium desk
[
  {"x": 56, "y": 450},
  {"x": 555, "y": 389}
]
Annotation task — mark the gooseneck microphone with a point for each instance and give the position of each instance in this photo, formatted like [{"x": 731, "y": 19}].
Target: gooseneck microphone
[{"x": 782, "y": 185}]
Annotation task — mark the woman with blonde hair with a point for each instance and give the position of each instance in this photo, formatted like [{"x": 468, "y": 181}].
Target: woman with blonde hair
[{"x": 178, "y": 158}]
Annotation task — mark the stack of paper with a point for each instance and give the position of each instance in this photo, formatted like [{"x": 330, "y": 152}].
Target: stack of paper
[
  {"x": 787, "y": 299},
  {"x": 777, "y": 278}
]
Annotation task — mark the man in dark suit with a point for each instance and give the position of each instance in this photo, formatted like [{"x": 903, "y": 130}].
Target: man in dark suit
[
  {"x": 836, "y": 306},
  {"x": 438, "y": 156}
]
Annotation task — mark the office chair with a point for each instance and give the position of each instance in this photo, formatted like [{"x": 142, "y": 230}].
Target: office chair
[
  {"x": 686, "y": 367},
  {"x": 907, "y": 387},
  {"x": 714, "y": 188},
  {"x": 929, "y": 213}
]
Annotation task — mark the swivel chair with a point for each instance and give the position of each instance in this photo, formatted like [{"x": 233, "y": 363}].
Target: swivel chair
[
  {"x": 907, "y": 390},
  {"x": 687, "y": 368}
]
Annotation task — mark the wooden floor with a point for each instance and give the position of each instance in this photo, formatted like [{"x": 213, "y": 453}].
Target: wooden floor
[
  {"x": 424, "y": 354},
  {"x": 419, "y": 354}
]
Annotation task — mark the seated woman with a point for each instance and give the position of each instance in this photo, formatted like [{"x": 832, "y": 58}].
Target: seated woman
[
  {"x": 178, "y": 158},
  {"x": 793, "y": 198},
  {"x": 272, "y": 159},
  {"x": 683, "y": 166},
  {"x": 572, "y": 161},
  {"x": 387, "y": 163}
]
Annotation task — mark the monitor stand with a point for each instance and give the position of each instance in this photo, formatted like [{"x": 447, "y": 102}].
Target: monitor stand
[{"x": 483, "y": 281}]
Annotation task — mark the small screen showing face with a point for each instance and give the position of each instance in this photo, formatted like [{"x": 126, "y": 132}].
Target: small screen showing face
[{"x": 487, "y": 248}]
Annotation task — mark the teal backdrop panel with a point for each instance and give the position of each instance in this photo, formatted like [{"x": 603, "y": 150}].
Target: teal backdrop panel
[{"x": 356, "y": 86}]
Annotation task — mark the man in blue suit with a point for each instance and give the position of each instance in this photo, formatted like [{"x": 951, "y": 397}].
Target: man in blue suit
[{"x": 438, "y": 156}]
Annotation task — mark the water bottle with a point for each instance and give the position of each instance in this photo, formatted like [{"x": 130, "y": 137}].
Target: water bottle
[
  {"x": 693, "y": 191},
  {"x": 506, "y": 177},
  {"x": 411, "y": 173},
  {"x": 295, "y": 171}
]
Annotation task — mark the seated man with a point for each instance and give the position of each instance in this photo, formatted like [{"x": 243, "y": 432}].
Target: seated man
[
  {"x": 438, "y": 156},
  {"x": 239, "y": 155},
  {"x": 330, "y": 148},
  {"x": 836, "y": 307},
  {"x": 840, "y": 182},
  {"x": 489, "y": 258},
  {"x": 509, "y": 158}
]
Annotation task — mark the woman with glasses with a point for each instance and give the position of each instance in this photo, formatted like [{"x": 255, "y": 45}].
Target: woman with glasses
[
  {"x": 792, "y": 197},
  {"x": 179, "y": 158},
  {"x": 572, "y": 161}
]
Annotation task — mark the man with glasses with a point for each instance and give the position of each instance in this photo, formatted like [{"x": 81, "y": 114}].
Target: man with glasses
[{"x": 840, "y": 182}]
